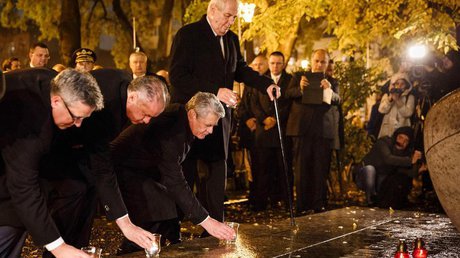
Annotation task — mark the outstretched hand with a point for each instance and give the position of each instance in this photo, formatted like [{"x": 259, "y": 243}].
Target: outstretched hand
[
  {"x": 134, "y": 233},
  {"x": 218, "y": 229}
]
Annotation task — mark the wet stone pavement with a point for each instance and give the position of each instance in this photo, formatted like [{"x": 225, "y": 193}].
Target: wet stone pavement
[{"x": 346, "y": 232}]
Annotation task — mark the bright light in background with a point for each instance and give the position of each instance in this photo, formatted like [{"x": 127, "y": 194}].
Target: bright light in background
[
  {"x": 304, "y": 64},
  {"x": 247, "y": 11},
  {"x": 417, "y": 51}
]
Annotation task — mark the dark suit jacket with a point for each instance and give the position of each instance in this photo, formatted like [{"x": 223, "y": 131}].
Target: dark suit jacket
[
  {"x": 263, "y": 107},
  {"x": 197, "y": 64},
  {"x": 309, "y": 118},
  {"x": 147, "y": 159},
  {"x": 244, "y": 113},
  {"x": 27, "y": 129},
  {"x": 84, "y": 152}
]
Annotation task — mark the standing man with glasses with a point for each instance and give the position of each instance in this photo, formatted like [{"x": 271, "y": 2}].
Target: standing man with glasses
[
  {"x": 39, "y": 55},
  {"x": 206, "y": 57}
]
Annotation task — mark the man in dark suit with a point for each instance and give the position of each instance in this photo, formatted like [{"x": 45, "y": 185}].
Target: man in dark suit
[
  {"x": 269, "y": 176},
  {"x": 148, "y": 161},
  {"x": 80, "y": 158},
  {"x": 34, "y": 109},
  {"x": 206, "y": 57},
  {"x": 312, "y": 129},
  {"x": 138, "y": 65},
  {"x": 248, "y": 122}
]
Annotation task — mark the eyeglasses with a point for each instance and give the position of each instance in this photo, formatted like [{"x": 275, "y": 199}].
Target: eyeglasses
[{"x": 74, "y": 117}]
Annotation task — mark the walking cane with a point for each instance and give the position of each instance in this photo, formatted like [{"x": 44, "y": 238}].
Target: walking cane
[{"x": 288, "y": 187}]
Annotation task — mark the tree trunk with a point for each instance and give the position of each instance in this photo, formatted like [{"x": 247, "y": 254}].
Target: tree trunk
[
  {"x": 162, "y": 51},
  {"x": 249, "y": 47},
  {"x": 457, "y": 32},
  {"x": 69, "y": 30}
]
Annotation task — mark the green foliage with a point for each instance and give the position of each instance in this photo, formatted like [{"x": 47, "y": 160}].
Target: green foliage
[
  {"x": 391, "y": 25},
  {"x": 44, "y": 14},
  {"x": 98, "y": 17},
  {"x": 357, "y": 83},
  {"x": 195, "y": 10}
]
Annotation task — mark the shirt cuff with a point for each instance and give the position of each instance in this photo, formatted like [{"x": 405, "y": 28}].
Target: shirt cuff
[
  {"x": 204, "y": 220},
  {"x": 122, "y": 217},
  {"x": 55, "y": 244}
]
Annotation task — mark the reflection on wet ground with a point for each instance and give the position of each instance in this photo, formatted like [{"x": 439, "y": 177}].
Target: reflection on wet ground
[{"x": 347, "y": 232}]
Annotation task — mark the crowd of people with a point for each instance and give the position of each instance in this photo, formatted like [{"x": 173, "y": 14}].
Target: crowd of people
[
  {"x": 396, "y": 126},
  {"x": 138, "y": 143}
]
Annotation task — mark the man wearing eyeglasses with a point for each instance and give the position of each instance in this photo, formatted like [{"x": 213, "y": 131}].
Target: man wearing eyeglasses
[
  {"x": 30, "y": 116},
  {"x": 32, "y": 113},
  {"x": 79, "y": 155}
]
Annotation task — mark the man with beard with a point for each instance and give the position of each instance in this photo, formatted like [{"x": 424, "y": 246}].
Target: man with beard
[{"x": 389, "y": 168}]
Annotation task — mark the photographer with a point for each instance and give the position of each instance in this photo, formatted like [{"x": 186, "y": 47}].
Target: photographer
[
  {"x": 397, "y": 105},
  {"x": 451, "y": 68},
  {"x": 388, "y": 169}
]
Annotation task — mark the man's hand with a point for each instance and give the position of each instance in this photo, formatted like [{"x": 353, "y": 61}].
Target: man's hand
[
  {"x": 416, "y": 156},
  {"x": 270, "y": 91},
  {"x": 394, "y": 96},
  {"x": 68, "y": 251},
  {"x": 227, "y": 96},
  {"x": 134, "y": 233},
  {"x": 251, "y": 123},
  {"x": 218, "y": 229},
  {"x": 423, "y": 168},
  {"x": 269, "y": 123},
  {"x": 325, "y": 84},
  {"x": 303, "y": 83}
]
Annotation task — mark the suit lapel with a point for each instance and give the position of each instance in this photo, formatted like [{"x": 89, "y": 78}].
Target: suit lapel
[{"x": 213, "y": 41}]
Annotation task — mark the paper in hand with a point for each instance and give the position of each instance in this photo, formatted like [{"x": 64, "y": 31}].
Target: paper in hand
[{"x": 313, "y": 93}]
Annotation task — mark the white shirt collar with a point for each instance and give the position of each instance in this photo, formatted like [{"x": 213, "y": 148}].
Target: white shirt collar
[
  {"x": 276, "y": 78},
  {"x": 135, "y": 76}
]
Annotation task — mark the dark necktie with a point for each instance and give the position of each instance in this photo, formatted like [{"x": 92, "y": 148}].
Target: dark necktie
[{"x": 221, "y": 44}]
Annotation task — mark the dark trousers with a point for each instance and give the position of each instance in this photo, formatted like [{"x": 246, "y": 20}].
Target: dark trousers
[
  {"x": 312, "y": 158},
  {"x": 11, "y": 241},
  {"x": 269, "y": 177},
  {"x": 210, "y": 178},
  {"x": 72, "y": 204}
]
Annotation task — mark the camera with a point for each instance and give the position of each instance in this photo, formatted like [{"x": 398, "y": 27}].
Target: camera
[{"x": 396, "y": 90}]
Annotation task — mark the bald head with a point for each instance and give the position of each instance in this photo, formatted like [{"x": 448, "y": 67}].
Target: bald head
[
  {"x": 319, "y": 61},
  {"x": 260, "y": 64}
]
